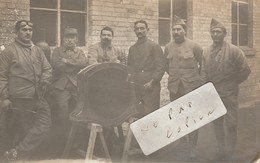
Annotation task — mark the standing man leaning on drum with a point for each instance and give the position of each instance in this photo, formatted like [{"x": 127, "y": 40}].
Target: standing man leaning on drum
[
  {"x": 106, "y": 52},
  {"x": 66, "y": 61}
]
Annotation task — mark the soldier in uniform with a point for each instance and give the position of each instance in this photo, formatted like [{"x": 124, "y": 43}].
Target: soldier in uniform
[
  {"x": 146, "y": 66},
  {"x": 66, "y": 61},
  {"x": 106, "y": 51},
  {"x": 225, "y": 65},
  {"x": 24, "y": 76},
  {"x": 184, "y": 68}
]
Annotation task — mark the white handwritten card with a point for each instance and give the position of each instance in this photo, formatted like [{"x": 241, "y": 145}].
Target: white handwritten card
[{"x": 178, "y": 118}]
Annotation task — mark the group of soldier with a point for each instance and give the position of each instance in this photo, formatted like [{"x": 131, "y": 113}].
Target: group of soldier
[{"x": 32, "y": 79}]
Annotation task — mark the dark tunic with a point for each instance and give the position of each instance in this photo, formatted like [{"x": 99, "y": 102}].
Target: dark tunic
[
  {"x": 145, "y": 62},
  {"x": 65, "y": 72}
]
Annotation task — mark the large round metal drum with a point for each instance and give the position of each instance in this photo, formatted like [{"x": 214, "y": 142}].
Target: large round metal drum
[{"x": 104, "y": 95}]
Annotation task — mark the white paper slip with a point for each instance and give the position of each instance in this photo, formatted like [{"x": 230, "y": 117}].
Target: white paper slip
[{"x": 178, "y": 118}]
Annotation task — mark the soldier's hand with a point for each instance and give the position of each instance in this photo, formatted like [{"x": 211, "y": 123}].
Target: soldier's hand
[
  {"x": 6, "y": 105},
  {"x": 129, "y": 78},
  {"x": 148, "y": 85}
]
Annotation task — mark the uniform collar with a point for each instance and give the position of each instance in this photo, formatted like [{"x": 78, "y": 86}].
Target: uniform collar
[
  {"x": 142, "y": 40},
  {"x": 64, "y": 49},
  {"x": 29, "y": 45},
  {"x": 106, "y": 47},
  {"x": 213, "y": 46}
]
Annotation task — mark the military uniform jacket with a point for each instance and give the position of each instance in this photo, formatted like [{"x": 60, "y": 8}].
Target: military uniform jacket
[
  {"x": 23, "y": 68},
  {"x": 183, "y": 66},
  {"x": 112, "y": 53},
  {"x": 146, "y": 62},
  {"x": 226, "y": 67},
  {"x": 65, "y": 72}
]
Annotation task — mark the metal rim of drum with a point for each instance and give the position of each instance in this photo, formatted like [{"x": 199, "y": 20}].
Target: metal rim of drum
[{"x": 86, "y": 109}]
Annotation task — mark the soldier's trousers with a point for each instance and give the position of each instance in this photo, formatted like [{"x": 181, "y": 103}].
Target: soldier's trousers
[
  {"x": 64, "y": 103},
  {"x": 3, "y": 133},
  {"x": 193, "y": 136},
  {"x": 226, "y": 126},
  {"x": 28, "y": 122},
  {"x": 149, "y": 100}
]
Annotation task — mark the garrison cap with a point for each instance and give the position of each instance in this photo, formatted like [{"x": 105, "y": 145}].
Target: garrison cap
[
  {"x": 216, "y": 24},
  {"x": 178, "y": 21}
]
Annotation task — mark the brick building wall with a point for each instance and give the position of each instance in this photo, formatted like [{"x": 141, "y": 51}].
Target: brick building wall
[
  {"x": 10, "y": 12},
  {"x": 121, "y": 15},
  {"x": 201, "y": 14}
]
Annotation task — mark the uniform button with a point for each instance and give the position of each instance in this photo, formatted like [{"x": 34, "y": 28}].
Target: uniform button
[{"x": 142, "y": 71}]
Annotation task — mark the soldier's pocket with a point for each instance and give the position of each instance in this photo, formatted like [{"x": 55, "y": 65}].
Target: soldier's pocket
[{"x": 189, "y": 60}]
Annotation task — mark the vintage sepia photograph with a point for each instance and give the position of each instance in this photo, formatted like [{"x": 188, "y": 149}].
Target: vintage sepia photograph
[{"x": 174, "y": 81}]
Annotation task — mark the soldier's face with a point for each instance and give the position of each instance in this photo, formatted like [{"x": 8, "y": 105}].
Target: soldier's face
[
  {"x": 25, "y": 34},
  {"x": 178, "y": 32},
  {"x": 106, "y": 37},
  {"x": 217, "y": 35},
  {"x": 140, "y": 30},
  {"x": 70, "y": 40}
]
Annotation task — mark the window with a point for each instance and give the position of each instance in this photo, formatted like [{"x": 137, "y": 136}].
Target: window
[
  {"x": 167, "y": 10},
  {"x": 240, "y": 26},
  {"x": 50, "y": 17}
]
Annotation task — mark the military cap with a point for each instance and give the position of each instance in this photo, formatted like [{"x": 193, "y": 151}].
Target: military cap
[
  {"x": 216, "y": 24},
  {"x": 178, "y": 21},
  {"x": 70, "y": 31}
]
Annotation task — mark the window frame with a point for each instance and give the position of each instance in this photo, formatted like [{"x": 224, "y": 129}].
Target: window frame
[
  {"x": 165, "y": 18},
  {"x": 59, "y": 11},
  {"x": 237, "y": 24},
  {"x": 170, "y": 18}
]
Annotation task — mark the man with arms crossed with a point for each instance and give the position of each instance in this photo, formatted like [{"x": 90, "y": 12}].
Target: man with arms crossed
[{"x": 66, "y": 61}]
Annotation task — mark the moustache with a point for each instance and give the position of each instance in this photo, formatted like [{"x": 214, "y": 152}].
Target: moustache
[
  {"x": 69, "y": 43},
  {"x": 139, "y": 34},
  {"x": 105, "y": 40}
]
